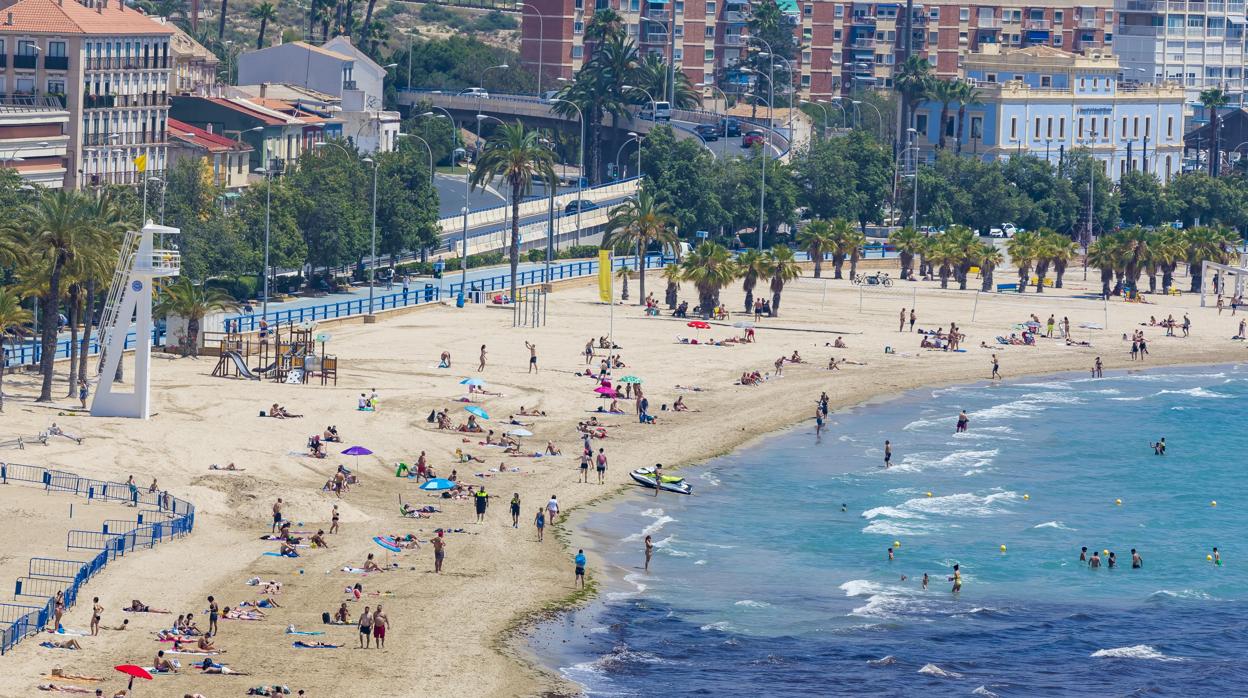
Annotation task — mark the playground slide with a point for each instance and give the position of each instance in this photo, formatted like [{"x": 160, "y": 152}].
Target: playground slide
[{"x": 241, "y": 365}]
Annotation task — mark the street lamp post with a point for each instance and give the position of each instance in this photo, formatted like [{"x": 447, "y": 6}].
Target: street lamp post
[
  {"x": 880, "y": 116},
  {"x": 823, "y": 109},
  {"x": 771, "y": 68},
  {"x": 268, "y": 207},
  {"x": 580, "y": 165},
  {"x": 671, "y": 60},
  {"x": 836, "y": 102},
  {"x": 914, "y": 210},
  {"x": 541, "y": 40},
  {"x": 762, "y": 187},
  {"x": 632, "y": 136},
  {"x": 426, "y": 144}
]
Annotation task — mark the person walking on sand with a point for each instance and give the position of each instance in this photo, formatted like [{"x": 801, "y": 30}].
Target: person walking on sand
[
  {"x": 586, "y": 455},
  {"x": 996, "y": 368},
  {"x": 532, "y": 356},
  {"x": 481, "y": 500},
  {"x": 552, "y": 509},
  {"x": 333, "y": 520},
  {"x": 888, "y": 453},
  {"x": 366, "y": 628},
  {"x": 818, "y": 420},
  {"x": 601, "y": 466},
  {"x": 481, "y": 366},
  {"x": 540, "y": 522},
  {"x": 277, "y": 515},
  {"x": 380, "y": 623},
  {"x": 912, "y": 318},
  {"x": 214, "y": 613},
  {"x": 83, "y": 391},
  {"x": 439, "y": 551},
  {"x": 649, "y": 552},
  {"x": 589, "y": 352},
  {"x": 901, "y": 322},
  {"x": 515, "y": 510},
  {"x": 580, "y": 569}
]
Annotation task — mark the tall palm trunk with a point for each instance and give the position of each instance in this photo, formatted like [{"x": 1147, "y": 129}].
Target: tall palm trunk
[
  {"x": 641, "y": 280},
  {"x": 853, "y": 264},
  {"x": 775, "y": 301},
  {"x": 907, "y": 262},
  {"x": 368, "y": 18},
  {"x": 1042, "y": 270},
  {"x": 47, "y": 339},
  {"x": 671, "y": 295},
  {"x": 985, "y": 274},
  {"x": 838, "y": 264},
  {"x": 264, "y": 24},
  {"x": 1059, "y": 268},
  {"x": 72, "y": 306},
  {"x": 89, "y": 315},
  {"x": 816, "y": 256},
  {"x": 192, "y": 335},
  {"x": 748, "y": 285},
  {"x": 513, "y": 252},
  {"x": 1213, "y": 142},
  {"x": 221, "y": 21},
  {"x": 3, "y": 368},
  {"x": 961, "y": 119},
  {"x": 944, "y": 120}
]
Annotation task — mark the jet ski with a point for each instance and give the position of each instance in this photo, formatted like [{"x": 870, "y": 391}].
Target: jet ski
[{"x": 668, "y": 483}]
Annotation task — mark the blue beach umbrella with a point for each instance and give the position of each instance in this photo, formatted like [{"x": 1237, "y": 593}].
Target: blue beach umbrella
[
  {"x": 473, "y": 409},
  {"x": 437, "y": 484},
  {"x": 472, "y": 381}
]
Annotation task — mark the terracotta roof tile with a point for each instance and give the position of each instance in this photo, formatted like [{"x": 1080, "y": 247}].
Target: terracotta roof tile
[
  {"x": 69, "y": 17},
  {"x": 197, "y": 136}
]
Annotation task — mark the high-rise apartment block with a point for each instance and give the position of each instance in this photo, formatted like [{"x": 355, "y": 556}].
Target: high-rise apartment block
[
  {"x": 1198, "y": 44},
  {"x": 842, "y": 45},
  {"x": 107, "y": 65}
]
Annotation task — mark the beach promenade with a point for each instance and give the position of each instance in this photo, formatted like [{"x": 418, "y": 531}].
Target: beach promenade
[{"x": 459, "y": 632}]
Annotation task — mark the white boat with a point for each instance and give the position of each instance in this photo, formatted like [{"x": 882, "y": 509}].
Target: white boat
[{"x": 670, "y": 483}]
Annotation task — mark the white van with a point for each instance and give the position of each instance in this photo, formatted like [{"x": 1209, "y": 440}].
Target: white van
[{"x": 657, "y": 111}]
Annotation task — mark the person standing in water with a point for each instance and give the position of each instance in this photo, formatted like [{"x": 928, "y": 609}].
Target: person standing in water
[
  {"x": 1083, "y": 554},
  {"x": 956, "y": 578},
  {"x": 1098, "y": 369},
  {"x": 888, "y": 453},
  {"x": 1136, "y": 561},
  {"x": 1094, "y": 562},
  {"x": 818, "y": 420},
  {"x": 649, "y": 552},
  {"x": 1159, "y": 448},
  {"x": 963, "y": 422},
  {"x": 924, "y": 581}
]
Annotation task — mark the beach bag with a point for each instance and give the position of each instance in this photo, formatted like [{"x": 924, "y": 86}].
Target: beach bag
[
  {"x": 433, "y": 417},
  {"x": 325, "y": 617}
]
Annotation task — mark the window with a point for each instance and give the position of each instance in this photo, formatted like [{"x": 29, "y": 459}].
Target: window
[
  {"x": 990, "y": 77},
  {"x": 1061, "y": 128},
  {"x": 1135, "y": 127},
  {"x": 964, "y": 14},
  {"x": 56, "y": 86},
  {"x": 680, "y": 30},
  {"x": 1037, "y": 135},
  {"x": 1057, "y": 39},
  {"x": 839, "y": 12},
  {"x": 1083, "y": 83},
  {"x": 934, "y": 13},
  {"x": 836, "y": 34},
  {"x": 578, "y": 27},
  {"x": 1167, "y": 169},
  {"x": 708, "y": 55},
  {"x": 25, "y": 47},
  {"x": 709, "y": 31},
  {"x": 920, "y": 123},
  {"x": 1148, "y": 126},
  {"x": 1048, "y": 133},
  {"x": 680, "y": 54},
  {"x": 961, "y": 37},
  {"x": 710, "y": 9},
  {"x": 1057, "y": 17},
  {"x": 1017, "y": 77},
  {"x": 806, "y": 57},
  {"x": 680, "y": 7},
  {"x": 578, "y": 51},
  {"x": 56, "y": 49},
  {"x": 977, "y": 127},
  {"x": 1123, "y": 133},
  {"x": 1105, "y": 131},
  {"x": 805, "y": 81},
  {"x": 1169, "y": 127},
  {"x": 808, "y": 9},
  {"x": 25, "y": 85},
  {"x": 1046, "y": 80},
  {"x": 1013, "y": 128}
]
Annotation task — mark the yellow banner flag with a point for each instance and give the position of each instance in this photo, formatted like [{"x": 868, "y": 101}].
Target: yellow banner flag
[
  {"x": 140, "y": 163},
  {"x": 604, "y": 275}
]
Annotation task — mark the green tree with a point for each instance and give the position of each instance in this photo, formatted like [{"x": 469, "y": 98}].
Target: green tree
[
  {"x": 517, "y": 156},
  {"x": 1103, "y": 255},
  {"x": 1141, "y": 199},
  {"x": 1078, "y": 167},
  {"x": 769, "y": 26},
  {"x": 334, "y": 205},
  {"x": 1047, "y": 200},
  {"x": 966, "y": 96},
  {"x": 263, "y": 13},
  {"x": 751, "y": 266},
  {"x": 186, "y": 299},
  {"x": 407, "y": 209},
  {"x": 817, "y": 239},
  {"x": 1196, "y": 198},
  {"x": 1024, "y": 248},
  {"x": 908, "y": 242},
  {"x": 652, "y": 74},
  {"x": 1062, "y": 250},
  {"x": 604, "y": 23},
  {"x": 1214, "y": 99},
  {"x": 12, "y": 318},
  {"x": 912, "y": 80},
  {"x": 679, "y": 173},
  {"x": 709, "y": 268},
  {"x": 944, "y": 92},
  {"x": 1210, "y": 244},
  {"x": 636, "y": 223},
  {"x": 783, "y": 268},
  {"x": 988, "y": 258}
]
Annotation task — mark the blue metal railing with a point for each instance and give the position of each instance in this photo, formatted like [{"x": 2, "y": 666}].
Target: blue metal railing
[
  {"x": 570, "y": 270},
  {"x": 167, "y": 517},
  {"x": 28, "y": 354},
  {"x": 337, "y": 309}
]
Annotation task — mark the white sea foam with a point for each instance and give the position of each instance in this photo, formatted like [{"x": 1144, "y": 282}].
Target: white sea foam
[
  {"x": 1195, "y": 392},
  {"x": 1054, "y": 524},
  {"x": 700, "y": 562},
  {"x": 638, "y": 587},
  {"x": 1050, "y": 385},
  {"x": 933, "y": 670},
  {"x": 860, "y": 587},
  {"x": 882, "y": 661},
  {"x": 924, "y": 423},
  {"x": 751, "y": 603},
  {"x": 885, "y": 527},
  {"x": 1135, "y": 652},
  {"x": 721, "y": 626},
  {"x": 1018, "y": 409},
  {"x": 961, "y": 504},
  {"x": 891, "y": 512},
  {"x": 918, "y": 462},
  {"x": 1192, "y": 594},
  {"x": 1137, "y": 398},
  {"x": 983, "y": 691},
  {"x": 660, "y": 520}
]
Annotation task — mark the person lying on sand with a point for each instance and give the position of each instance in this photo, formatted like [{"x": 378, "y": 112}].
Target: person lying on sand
[
  {"x": 59, "y": 673},
  {"x": 530, "y": 413},
  {"x": 1072, "y": 343},
  {"x": 210, "y": 667},
  {"x": 235, "y": 614},
  {"x": 466, "y": 457},
  {"x": 312, "y": 644},
  {"x": 229, "y": 466},
  {"x": 282, "y": 413},
  {"x": 259, "y": 603},
  {"x": 272, "y": 586},
  {"x": 70, "y": 644},
  {"x": 137, "y": 606},
  {"x": 62, "y": 689},
  {"x": 691, "y": 388}
]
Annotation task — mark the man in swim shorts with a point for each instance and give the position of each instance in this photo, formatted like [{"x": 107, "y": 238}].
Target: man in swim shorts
[
  {"x": 277, "y": 514},
  {"x": 1136, "y": 561},
  {"x": 532, "y": 356},
  {"x": 580, "y": 569},
  {"x": 439, "y": 552},
  {"x": 366, "y": 628},
  {"x": 888, "y": 453},
  {"x": 380, "y": 621}
]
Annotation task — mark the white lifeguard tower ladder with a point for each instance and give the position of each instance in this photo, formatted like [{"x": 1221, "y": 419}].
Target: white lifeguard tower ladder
[{"x": 130, "y": 303}]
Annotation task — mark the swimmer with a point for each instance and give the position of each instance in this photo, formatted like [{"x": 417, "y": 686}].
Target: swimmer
[
  {"x": 956, "y": 579},
  {"x": 1083, "y": 554},
  {"x": 1217, "y": 557},
  {"x": 963, "y": 422},
  {"x": 924, "y": 581},
  {"x": 1113, "y": 560},
  {"x": 888, "y": 454},
  {"x": 1094, "y": 562},
  {"x": 843, "y": 508},
  {"x": 1136, "y": 561},
  {"x": 890, "y": 554},
  {"x": 1159, "y": 448}
]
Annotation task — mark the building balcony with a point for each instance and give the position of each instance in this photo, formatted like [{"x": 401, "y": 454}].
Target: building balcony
[
  {"x": 1145, "y": 6},
  {"x": 26, "y": 62},
  {"x": 1140, "y": 30},
  {"x": 1091, "y": 24},
  {"x": 659, "y": 15},
  {"x": 988, "y": 23},
  {"x": 864, "y": 43},
  {"x": 736, "y": 17},
  {"x": 734, "y": 40},
  {"x": 56, "y": 62},
  {"x": 655, "y": 38},
  {"x": 1037, "y": 24},
  {"x": 349, "y": 85}
]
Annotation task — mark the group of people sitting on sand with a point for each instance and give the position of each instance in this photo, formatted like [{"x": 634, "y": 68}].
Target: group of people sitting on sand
[
  {"x": 939, "y": 339},
  {"x": 341, "y": 481},
  {"x": 753, "y": 378}
]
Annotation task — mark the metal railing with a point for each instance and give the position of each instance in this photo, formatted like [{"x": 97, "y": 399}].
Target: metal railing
[
  {"x": 168, "y": 516},
  {"x": 570, "y": 270},
  {"x": 338, "y": 309},
  {"x": 28, "y": 354}
]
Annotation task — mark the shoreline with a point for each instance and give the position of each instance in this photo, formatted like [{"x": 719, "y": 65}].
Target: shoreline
[{"x": 528, "y": 624}]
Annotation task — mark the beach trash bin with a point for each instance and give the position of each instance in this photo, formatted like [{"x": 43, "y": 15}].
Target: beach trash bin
[
  {"x": 428, "y": 293},
  {"x": 459, "y": 300}
]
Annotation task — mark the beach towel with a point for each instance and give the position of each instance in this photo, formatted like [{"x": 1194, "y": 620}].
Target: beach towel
[
  {"x": 72, "y": 632},
  {"x": 200, "y": 653},
  {"x": 354, "y": 570},
  {"x": 304, "y": 632},
  {"x": 305, "y": 646}
]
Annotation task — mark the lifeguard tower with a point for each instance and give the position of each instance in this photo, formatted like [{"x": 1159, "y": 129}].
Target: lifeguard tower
[{"x": 130, "y": 303}]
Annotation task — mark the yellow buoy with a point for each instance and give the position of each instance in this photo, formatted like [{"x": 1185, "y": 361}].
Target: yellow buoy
[
  {"x": 1003, "y": 548},
  {"x": 1118, "y": 502},
  {"x": 1214, "y": 503},
  {"x": 929, "y": 494},
  {"x": 1026, "y": 497},
  {"x": 1209, "y": 558},
  {"x": 1105, "y": 551},
  {"x": 896, "y": 544}
]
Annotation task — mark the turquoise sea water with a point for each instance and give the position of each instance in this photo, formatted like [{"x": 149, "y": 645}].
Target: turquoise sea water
[{"x": 762, "y": 585}]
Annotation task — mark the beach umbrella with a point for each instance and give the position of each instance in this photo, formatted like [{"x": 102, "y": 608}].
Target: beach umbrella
[
  {"x": 357, "y": 451},
  {"x": 472, "y": 381},
  {"x": 699, "y": 325},
  {"x": 473, "y": 409},
  {"x": 630, "y": 379},
  {"x": 437, "y": 484},
  {"x": 604, "y": 390},
  {"x": 519, "y": 432},
  {"x": 134, "y": 672}
]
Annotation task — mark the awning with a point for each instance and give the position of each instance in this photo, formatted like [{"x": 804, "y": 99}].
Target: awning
[{"x": 1037, "y": 35}]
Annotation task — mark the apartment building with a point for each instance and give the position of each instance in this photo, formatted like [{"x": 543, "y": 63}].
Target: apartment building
[
  {"x": 228, "y": 159},
  {"x": 108, "y": 64},
  {"x": 1200, "y": 44},
  {"x": 34, "y": 138},
  {"x": 843, "y": 45},
  {"x": 277, "y": 132},
  {"x": 194, "y": 67},
  {"x": 1044, "y": 102}
]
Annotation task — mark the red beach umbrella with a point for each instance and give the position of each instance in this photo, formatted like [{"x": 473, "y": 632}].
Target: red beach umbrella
[
  {"x": 134, "y": 672},
  {"x": 699, "y": 325}
]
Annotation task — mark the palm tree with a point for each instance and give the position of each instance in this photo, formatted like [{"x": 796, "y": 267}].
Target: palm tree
[
  {"x": 374, "y": 34},
  {"x": 1023, "y": 248},
  {"x": 783, "y": 268},
  {"x": 963, "y": 247},
  {"x": 911, "y": 80},
  {"x": 672, "y": 274},
  {"x": 624, "y": 274},
  {"x": 185, "y": 299},
  {"x": 1103, "y": 254},
  {"x": 604, "y": 23},
  {"x": 653, "y": 75},
  {"x": 636, "y": 223},
  {"x": 597, "y": 90},
  {"x": 816, "y": 238},
  {"x": 264, "y": 12},
  {"x": 854, "y": 240},
  {"x": 967, "y": 95},
  {"x": 1134, "y": 255},
  {"x": 945, "y": 92},
  {"x": 709, "y": 268},
  {"x": 58, "y": 226},
  {"x": 12, "y": 317},
  {"x": 516, "y": 155},
  {"x": 988, "y": 258},
  {"x": 107, "y": 216},
  {"x": 1167, "y": 248},
  {"x": 1062, "y": 250},
  {"x": 1214, "y": 99},
  {"x": 943, "y": 255},
  {"x": 90, "y": 264},
  {"x": 1206, "y": 244},
  {"x": 1044, "y": 251},
  {"x": 368, "y": 21},
  {"x": 908, "y": 242},
  {"x": 843, "y": 243},
  {"x": 752, "y": 266},
  {"x": 221, "y": 21}
]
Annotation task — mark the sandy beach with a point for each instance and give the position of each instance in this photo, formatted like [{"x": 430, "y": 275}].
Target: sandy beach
[{"x": 457, "y": 632}]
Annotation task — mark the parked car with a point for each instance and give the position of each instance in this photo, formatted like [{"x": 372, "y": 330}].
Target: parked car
[
  {"x": 730, "y": 127},
  {"x": 478, "y": 92},
  {"x": 581, "y": 205},
  {"x": 1006, "y": 231},
  {"x": 707, "y": 132},
  {"x": 752, "y": 137}
]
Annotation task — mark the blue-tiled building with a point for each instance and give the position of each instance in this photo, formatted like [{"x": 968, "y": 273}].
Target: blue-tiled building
[{"x": 1044, "y": 101}]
